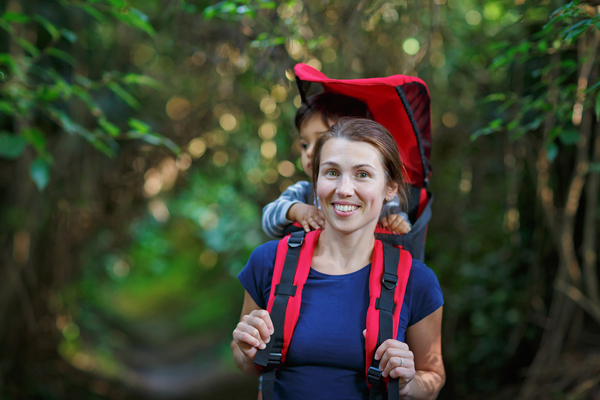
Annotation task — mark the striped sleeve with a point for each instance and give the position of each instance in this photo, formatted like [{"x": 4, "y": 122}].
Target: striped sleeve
[{"x": 274, "y": 218}]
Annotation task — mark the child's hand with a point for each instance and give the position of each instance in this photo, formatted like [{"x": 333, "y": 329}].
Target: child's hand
[
  {"x": 395, "y": 224},
  {"x": 309, "y": 217}
]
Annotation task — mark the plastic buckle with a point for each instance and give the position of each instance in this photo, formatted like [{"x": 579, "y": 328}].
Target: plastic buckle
[
  {"x": 296, "y": 239},
  {"x": 274, "y": 359},
  {"x": 374, "y": 376},
  {"x": 390, "y": 281}
]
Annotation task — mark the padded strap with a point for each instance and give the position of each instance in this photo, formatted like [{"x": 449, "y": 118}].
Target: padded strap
[{"x": 270, "y": 357}]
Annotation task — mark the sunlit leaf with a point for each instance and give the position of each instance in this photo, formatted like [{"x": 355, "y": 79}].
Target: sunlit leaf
[
  {"x": 138, "y": 125},
  {"x": 49, "y": 26},
  {"x": 63, "y": 55},
  {"x": 136, "y": 19},
  {"x": 11, "y": 145},
  {"x": 7, "y": 108},
  {"x": 124, "y": 94},
  {"x": 17, "y": 17},
  {"x": 155, "y": 139},
  {"x": 40, "y": 173},
  {"x": 110, "y": 128},
  {"x": 494, "y": 126},
  {"x": 35, "y": 138},
  {"x": 142, "y": 80}
]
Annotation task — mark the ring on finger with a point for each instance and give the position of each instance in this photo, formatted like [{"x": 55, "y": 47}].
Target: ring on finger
[{"x": 401, "y": 361}]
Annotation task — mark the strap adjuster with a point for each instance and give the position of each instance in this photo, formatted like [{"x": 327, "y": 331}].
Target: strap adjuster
[
  {"x": 274, "y": 359},
  {"x": 296, "y": 239},
  {"x": 374, "y": 376},
  {"x": 390, "y": 281}
]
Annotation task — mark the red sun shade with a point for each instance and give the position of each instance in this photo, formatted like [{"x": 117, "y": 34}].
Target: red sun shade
[{"x": 400, "y": 103}]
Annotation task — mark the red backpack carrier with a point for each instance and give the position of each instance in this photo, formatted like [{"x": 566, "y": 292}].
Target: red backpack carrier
[{"x": 390, "y": 268}]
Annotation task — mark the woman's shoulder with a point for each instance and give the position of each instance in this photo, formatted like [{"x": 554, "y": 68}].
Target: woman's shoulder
[{"x": 264, "y": 255}]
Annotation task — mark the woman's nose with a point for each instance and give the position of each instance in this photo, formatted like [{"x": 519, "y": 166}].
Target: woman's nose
[{"x": 345, "y": 187}]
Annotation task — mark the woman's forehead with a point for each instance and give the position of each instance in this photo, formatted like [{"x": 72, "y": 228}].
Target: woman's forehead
[{"x": 345, "y": 152}]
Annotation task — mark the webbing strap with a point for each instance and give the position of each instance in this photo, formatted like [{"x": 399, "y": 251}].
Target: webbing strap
[
  {"x": 270, "y": 357},
  {"x": 385, "y": 305}
]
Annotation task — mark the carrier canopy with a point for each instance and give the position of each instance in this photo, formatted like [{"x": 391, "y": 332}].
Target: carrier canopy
[
  {"x": 390, "y": 268},
  {"x": 401, "y": 103}
]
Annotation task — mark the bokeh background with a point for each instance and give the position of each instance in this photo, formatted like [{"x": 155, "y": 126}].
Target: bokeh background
[{"x": 139, "y": 141}]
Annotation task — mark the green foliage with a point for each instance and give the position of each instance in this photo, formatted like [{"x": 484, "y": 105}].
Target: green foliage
[{"x": 36, "y": 87}]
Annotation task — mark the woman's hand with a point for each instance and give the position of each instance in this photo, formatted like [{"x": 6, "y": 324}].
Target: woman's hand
[
  {"x": 310, "y": 217},
  {"x": 253, "y": 332},
  {"x": 397, "y": 361}
]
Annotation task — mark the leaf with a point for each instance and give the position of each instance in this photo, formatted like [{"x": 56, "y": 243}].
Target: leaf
[
  {"x": 11, "y": 146},
  {"x": 594, "y": 167},
  {"x": 52, "y": 30},
  {"x": 90, "y": 10},
  {"x": 139, "y": 126},
  {"x": 16, "y": 17},
  {"x": 142, "y": 80},
  {"x": 40, "y": 173},
  {"x": 124, "y": 95},
  {"x": 136, "y": 19},
  {"x": 551, "y": 151},
  {"x": 155, "y": 139},
  {"x": 569, "y": 137},
  {"x": 35, "y": 138},
  {"x": 494, "y": 126},
  {"x": 31, "y": 49},
  {"x": 63, "y": 55},
  {"x": 69, "y": 35},
  {"x": 7, "y": 108},
  {"x": 597, "y": 108},
  {"x": 575, "y": 30},
  {"x": 110, "y": 128}
]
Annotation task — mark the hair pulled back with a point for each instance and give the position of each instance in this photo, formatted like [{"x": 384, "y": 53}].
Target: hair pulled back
[{"x": 370, "y": 132}]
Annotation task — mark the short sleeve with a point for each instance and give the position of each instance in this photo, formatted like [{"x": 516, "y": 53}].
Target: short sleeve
[
  {"x": 257, "y": 275},
  {"x": 426, "y": 294}
]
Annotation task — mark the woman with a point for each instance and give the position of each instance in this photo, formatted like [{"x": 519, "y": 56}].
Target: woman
[{"x": 356, "y": 169}]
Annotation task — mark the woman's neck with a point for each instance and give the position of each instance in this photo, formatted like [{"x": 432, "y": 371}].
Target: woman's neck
[{"x": 339, "y": 253}]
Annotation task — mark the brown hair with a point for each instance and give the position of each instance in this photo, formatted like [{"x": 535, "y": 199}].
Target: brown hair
[
  {"x": 331, "y": 106},
  {"x": 373, "y": 133}
]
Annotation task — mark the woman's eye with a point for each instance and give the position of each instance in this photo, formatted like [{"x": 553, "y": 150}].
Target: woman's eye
[
  {"x": 331, "y": 173},
  {"x": 362, "y": 175}
]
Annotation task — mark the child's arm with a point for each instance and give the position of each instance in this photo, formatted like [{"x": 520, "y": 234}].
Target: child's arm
[
  {"x": 395, "y": 220},
  {"x": 276, "y": 214}
]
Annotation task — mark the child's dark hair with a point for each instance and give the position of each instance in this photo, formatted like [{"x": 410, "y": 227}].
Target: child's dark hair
[{"x": 332, "y": 107}]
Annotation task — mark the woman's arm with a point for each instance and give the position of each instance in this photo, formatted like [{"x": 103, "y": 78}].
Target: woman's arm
[
  {"x": 251, "y": 333},
  {"x": 417, "y": 363}
]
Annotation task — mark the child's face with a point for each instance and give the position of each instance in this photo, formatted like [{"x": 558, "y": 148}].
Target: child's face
[{"x": 310, "y": 131}]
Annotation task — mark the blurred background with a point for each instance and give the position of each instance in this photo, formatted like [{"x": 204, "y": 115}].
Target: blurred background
[{"x": 139, "y": 141}]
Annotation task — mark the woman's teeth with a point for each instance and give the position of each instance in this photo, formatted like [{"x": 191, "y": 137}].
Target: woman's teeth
[{"x": 344, "y": 208}]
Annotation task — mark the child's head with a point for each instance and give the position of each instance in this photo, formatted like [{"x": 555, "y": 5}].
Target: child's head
[{"x": 321, "y": 112}]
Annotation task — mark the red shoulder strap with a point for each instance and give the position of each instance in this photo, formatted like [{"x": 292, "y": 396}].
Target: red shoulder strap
[
  {"x": 375, "y": 281},
  {"x": 293, "y": 307}
]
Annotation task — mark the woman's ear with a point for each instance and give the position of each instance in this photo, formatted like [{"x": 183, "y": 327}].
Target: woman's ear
[{"x": 391, "y": 192}]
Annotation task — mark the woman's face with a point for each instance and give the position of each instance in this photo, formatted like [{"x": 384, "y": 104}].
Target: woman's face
[{"x": 351, "y": 185}]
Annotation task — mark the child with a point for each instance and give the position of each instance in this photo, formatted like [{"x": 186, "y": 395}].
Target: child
[{"x": 296, "y": 203}]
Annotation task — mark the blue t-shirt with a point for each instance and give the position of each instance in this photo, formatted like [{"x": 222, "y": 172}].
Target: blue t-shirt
[{"x": 326, "y": 357}]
